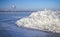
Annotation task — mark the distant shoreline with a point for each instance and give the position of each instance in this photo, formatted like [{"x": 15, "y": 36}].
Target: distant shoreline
[{"x": 17, "y": 11}]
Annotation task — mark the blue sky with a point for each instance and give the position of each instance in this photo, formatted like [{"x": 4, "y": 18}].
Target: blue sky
[{"x": 30, "y": 4}]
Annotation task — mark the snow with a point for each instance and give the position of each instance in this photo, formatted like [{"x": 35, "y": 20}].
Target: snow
[{"x": 45, "y": 20}]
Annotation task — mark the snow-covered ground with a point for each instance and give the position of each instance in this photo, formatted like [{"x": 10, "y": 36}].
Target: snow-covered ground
[{"x": 46, "y": 20}]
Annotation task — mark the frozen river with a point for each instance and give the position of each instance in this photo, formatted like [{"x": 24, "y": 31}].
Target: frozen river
[{"x": 8, "y": 28}]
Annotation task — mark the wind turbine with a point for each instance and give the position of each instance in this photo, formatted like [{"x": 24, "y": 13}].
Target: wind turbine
[{"x": 13, "y": 7}]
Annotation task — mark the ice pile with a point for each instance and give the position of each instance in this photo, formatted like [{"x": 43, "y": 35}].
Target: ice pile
[{"x": 46, "y": 20}]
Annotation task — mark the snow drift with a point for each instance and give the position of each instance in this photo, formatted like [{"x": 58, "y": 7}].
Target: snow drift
[{"x": 46, "y": 20}]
